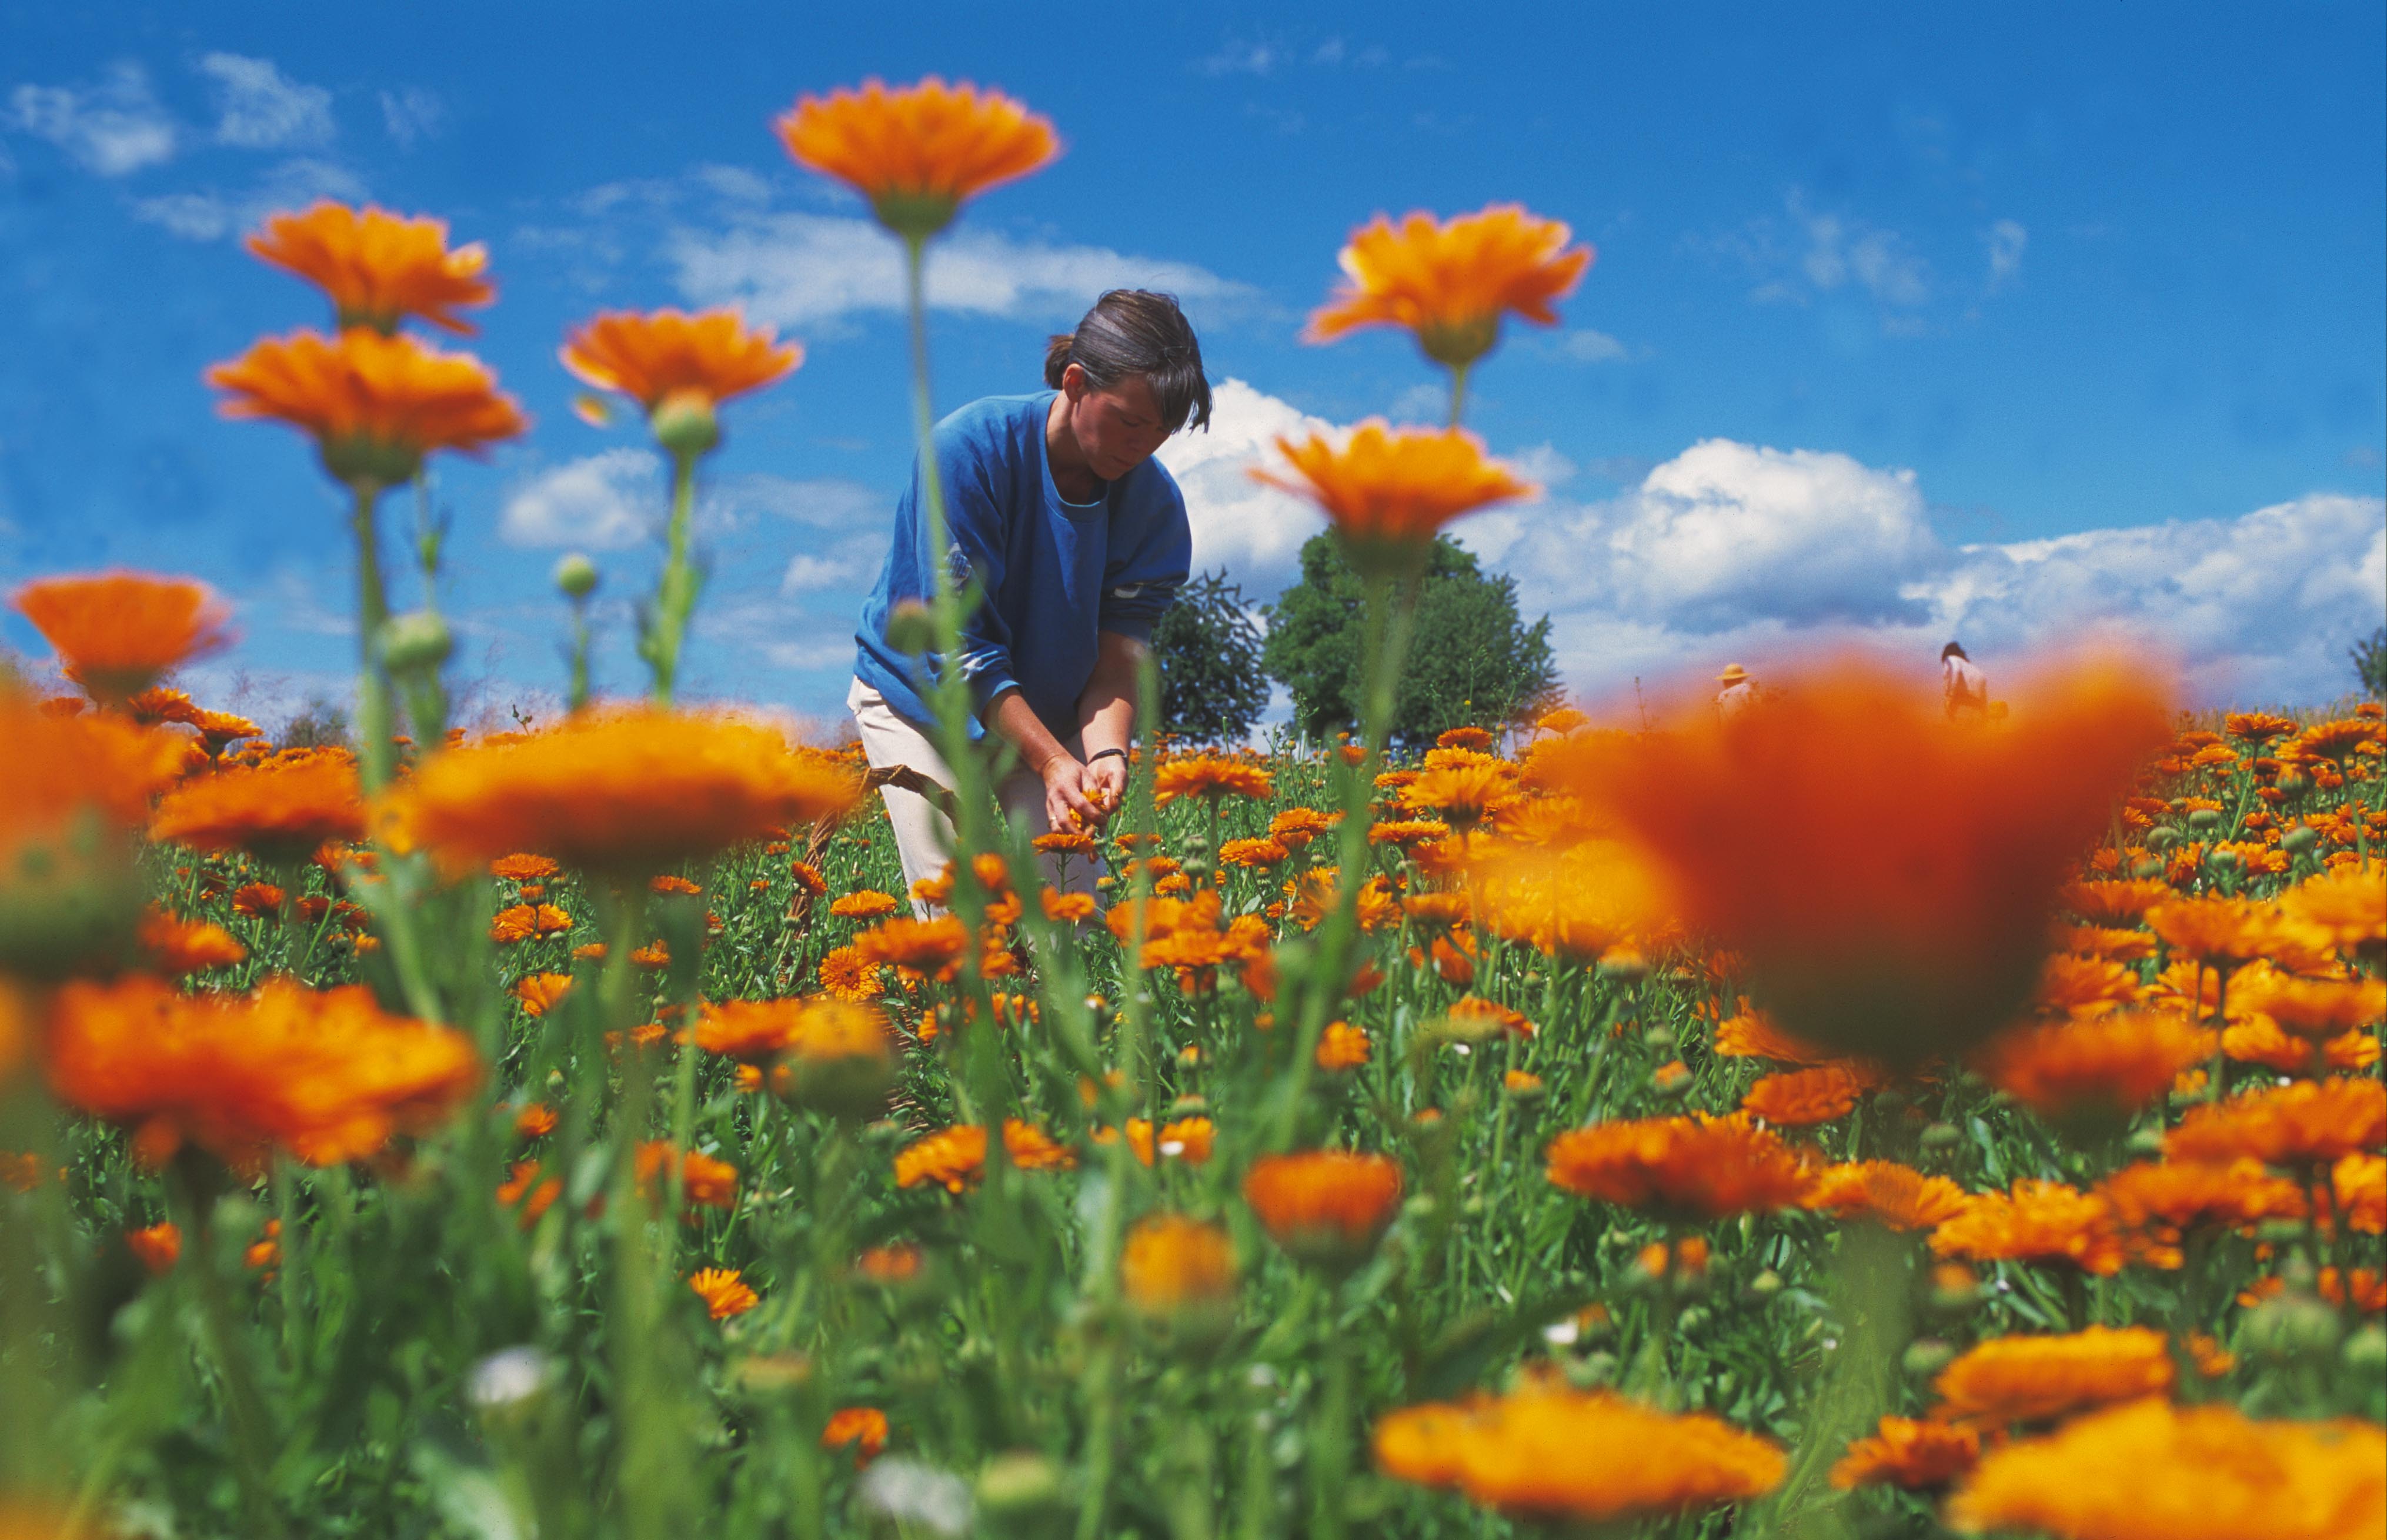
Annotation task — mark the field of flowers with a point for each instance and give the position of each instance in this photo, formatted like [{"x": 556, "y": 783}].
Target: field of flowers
[{"x": 1837, "y": 1121}]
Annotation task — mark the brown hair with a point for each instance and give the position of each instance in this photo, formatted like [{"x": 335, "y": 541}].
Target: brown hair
[{"x": 1137, "y": 332}]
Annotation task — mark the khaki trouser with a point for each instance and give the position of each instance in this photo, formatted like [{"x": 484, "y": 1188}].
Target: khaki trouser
[{"x": 924, "y": 837}]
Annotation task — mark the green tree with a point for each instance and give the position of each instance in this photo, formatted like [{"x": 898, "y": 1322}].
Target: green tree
[
  {"x": 1474, "y": 662},
  {"x": 1209, "y": 648},
  {"x": 2369, "y": 657}
]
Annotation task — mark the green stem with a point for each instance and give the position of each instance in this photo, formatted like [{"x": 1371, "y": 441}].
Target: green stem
[
  {"x": 374, "y": 757},
  {"x": 579, "y": 698},
  {"x": 675, "y": 590},
  {"x": 1330, "y": 1433},
  {"x": 245, "y": 1410},
  {"x": 1458, "y": 391}
]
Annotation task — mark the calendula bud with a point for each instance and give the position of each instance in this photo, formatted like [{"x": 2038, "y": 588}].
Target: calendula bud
[
  {"x": 2161, "y": 839},
  {"x": 2300, "y": 839},
  {"x": 685, "y": 423},
  {"x": 2223, "y": 861},
  {"x": 2205, "y": 819},
  {"x": 1927, "y": 1357},
  {"x": 577, "y": 575},
  {"x": 416, "y": 640},
  {"x": 910, "y": 628}
]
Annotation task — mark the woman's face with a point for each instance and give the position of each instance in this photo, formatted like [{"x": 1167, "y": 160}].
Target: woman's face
[{"x": 1116, "y": 429}]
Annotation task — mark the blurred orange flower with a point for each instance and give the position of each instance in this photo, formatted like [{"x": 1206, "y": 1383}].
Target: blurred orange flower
[
  {"x": 377, "y": 267},
  {"x": 862, "y": 1427},
  {"x": 1803, "y": 1096},
  {"x": 158, "y": 1247},
  {"x": 2107, "y": 1067},
  {"x": 175, "y": 947},
  {"x": 1324, "y": 1206},
  {"x": 2312, "y": 1122},
  {"x": 1888, "y": 1193},
  {"x": 723, "y": 1292},
  {"x": 522, "y": 922},
  {"x": 1888, "y": 878},
  {"x": 1452, "y": 283},
  {"x": 2037, "y": 1222},
  {"x": 1549, "y": 1453},
  {"x": 623, "y": 793},
  {"x": 1388, "y": 491},
  {"x": 323, "y": 1075},
  {"x": 656, "y": 356},
  {"x": 117, "y": 632},
  {"x": 1703, "y": 1167},
  {"x": 2024, "y": 1378},
  {"x": 2151, "y": 1470},
  {"x": 1213, "y": 776},
  {"x": 955, "y": 1157},
  {"x": 1904, "y": 1452},
  {"x": 376, "y": 405},
  {"x": 278, "y": 812},
  {"x": 919, "y": 152},
  {"x": 1172, "y": 1265}
]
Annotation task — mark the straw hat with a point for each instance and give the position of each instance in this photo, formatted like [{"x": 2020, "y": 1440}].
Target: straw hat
[{"x": 1733, "y": 674}]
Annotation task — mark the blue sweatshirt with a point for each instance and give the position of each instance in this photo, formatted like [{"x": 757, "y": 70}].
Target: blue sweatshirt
[{"x": 1055, "y": 573}]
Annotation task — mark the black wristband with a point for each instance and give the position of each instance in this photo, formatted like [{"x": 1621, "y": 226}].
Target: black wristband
[{"x": 1105, "y": 753}]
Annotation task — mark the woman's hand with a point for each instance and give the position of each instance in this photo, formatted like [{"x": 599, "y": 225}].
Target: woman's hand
[
  {"x": 1105, "y": 783},
  {"x": 1066, "y": 804}
]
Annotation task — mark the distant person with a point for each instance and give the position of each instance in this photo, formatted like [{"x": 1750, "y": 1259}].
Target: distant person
[
  {"x": 1963, "y": 684},
  {"x": 1739, "y": 692},
  {"x": 1056, "y": 504}
]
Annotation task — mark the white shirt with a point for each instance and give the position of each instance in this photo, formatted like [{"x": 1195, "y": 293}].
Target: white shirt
[{"x": 1739, "y": 697}]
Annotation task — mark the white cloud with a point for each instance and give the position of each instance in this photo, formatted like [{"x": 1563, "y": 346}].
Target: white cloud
[
  {"x": 114, "y": 128},
  {"x": 1253, "y": 531},
  {"x": 212, "y": 215},
  {"x": 605, "y": 501},
  {"x": 264, "y": 109},
  {"x": 792, "y": 269},
  {"x": 412, "y": 113},
  {"x": 1585, "y": 345},
  {"x": 2005, "y": 241},
  {"x": 1840, "y": 250},
  {"x": 1733, "y": 552}
]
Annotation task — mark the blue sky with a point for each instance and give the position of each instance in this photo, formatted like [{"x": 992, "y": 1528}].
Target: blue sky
[{"x": 2009, "y": 322}]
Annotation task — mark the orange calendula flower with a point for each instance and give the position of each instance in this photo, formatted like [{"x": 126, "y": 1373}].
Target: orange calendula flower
[
  {"x": 1463, "y": 794},
  {"x": 323, "y": 1075},
  {"x": 847, "y": 975},
  {"x": 2346, "y": 910},
  {"x": 1706, "y": 1167},
  {"x": 1888, "y": 881},
  {"x": 524, "y": 868},
  {"x": 1389, "y": 491},
  {"x": 158, "y": 1247},
  {"x": 862, "y": 1427},
  {"x": 864, "y": 903},
  {"x": 2315, "y": 1008},
  {"x": 2111, "y": 1066},
  {"x": 2174, "y": 1195},
  {"x": 931, "y": 948},
  {"x": 1919, "y": 1456},
  {"x": 1888, "y": 1193},
  {"x": 1548, "y": 1453},
  {"x": 723, "y": 1292},
  {"x": 524, "y": 922},
  {"x": 2151, "y": 1470},
  {"x": 1216, "y": 776},
  {"x": 177, "y": 946},
  {"x": 118, "y": 633},
  {"x": 669, "y": 358},
  {"x": 627, "y": 792},
  {"x": 1343, "y": 1046},
  {"x": 2115, "y": 903},
  {"x": 2029, "y": 1379},
  {"x": 278, "y": 812},
  {"x": 378, "y": 268},
  {"x": 1803, "y": 1096},
  {"x": 918, "y": 152},
  {"x": 1067, "y": 908},
  {"x": 1328, "y": 1208},
  {"x": 2312, "y": 1122},
  {"x": 955, "y": 1157},
  {"x": 540, "y": 991},
  {"x": 524, "y": 1187},
  {"x": 1451, "y": 284},
  {"x": 374, "y": 405},
  {"x": 1174, "y": 1266},
  {"x": 2039, "y": 1221},
  {"x": 707, "y": 1182}
]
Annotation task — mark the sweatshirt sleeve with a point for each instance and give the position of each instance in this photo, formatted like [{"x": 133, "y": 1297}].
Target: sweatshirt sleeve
[
  {"x": 1142, "y": 579},
  {"x": 975, "y": 528}
]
